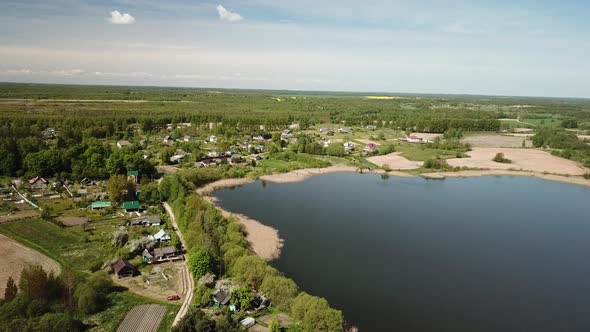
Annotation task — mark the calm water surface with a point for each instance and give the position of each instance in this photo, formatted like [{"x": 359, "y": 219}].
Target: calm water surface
[{"x": 409, "y": 254}]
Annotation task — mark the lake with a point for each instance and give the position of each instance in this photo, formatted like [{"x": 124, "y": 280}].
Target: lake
[{"x": 410, "y": 254}]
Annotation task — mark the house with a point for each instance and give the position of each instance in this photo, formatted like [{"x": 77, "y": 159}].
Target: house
[
  {"x": 133, "y": 176},
  {"x": 256, "y": 148},
  {"x": 123, "y": 144},
  {"x": 48, "y": 133},
  {"x": 236, "y": 159},
  {"x": 247, "y": 322},
  {"x": 100, "y": 205},
  {"x": 123, "y": 269},
  {"x": 165, "y": 253},
  {"x": 186, "y": 138},
  {"x": 152, "y": 221},
  {"x": 258, "y": 138},
  {"x": 326, "y": 131},
  {"x": 413, "y": 139},
  {"x": 213, "y": 154},
  {"x": 160, "y": 236},
  {"x": 131, "y": 206},
  {"x": 345, "y": 130},
  {"x": 220, "y": 298},
  {"x": 325, "y": 142},
  {"x": 371, "y": 147},
  {"x": 177, "y": 158},
  {"x": 38, "y": 183},
  {"x": 83, "y": 191},
  {"x": 286, "y": 134},
  {"x": 168, "y": 140},
  {"x": 212, "y": 138},
  {"x": 148, "y": 256},
  {"x": 136, "y": 222},
  {"x": 372, "y": 127},
  {"x": 260, "y": 302}
]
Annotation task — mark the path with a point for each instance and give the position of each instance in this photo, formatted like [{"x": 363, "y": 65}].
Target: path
[{"x": 187, "y": 277}]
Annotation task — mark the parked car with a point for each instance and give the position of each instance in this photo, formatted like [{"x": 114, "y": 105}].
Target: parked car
[{"x": 173, "y": 298}]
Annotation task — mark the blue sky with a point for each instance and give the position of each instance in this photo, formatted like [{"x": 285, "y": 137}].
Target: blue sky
[{"x": 520, "y": 47}]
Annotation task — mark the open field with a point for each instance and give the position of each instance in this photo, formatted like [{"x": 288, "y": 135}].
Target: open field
[
  {"x": 143, "y": 318},
  {"x": 395, "y": 161},
  {"x": 15, "y": 257},
  {"x": 497, "y": 141},
  {"x": 72, "y": 221},
  {"x": 522, "y": 159}
]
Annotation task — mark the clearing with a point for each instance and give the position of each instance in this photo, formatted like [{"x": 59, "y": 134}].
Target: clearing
[
  {"x": 72, "y": 221},
  {"x": 395, "y": 161},
  {"x": 143, "y": 318},
  {"x": 496, "y": 141},
  {"x": 15, "y": 257},
  {"x": 522, "y": 159}
]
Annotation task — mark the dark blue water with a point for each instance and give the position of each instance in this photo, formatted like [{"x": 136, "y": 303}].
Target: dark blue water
[{"x": 409, "y": 254}]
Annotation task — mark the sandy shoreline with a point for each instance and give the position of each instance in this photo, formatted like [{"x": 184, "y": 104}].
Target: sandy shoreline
[
  {"x": 496, "y": 172},
  {"x": 208, "y": 189},
  {"x": 264, "y": 240},
  {"x": 302, "y": 174}
]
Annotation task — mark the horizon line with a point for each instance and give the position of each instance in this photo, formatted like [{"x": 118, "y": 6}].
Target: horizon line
[{"x": 369, "y": 93}]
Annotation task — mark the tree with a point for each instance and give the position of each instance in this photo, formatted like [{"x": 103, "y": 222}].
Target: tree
[
  {"x": 335, "y": 149},
  {"x": 58, "y": 322},
  {"x": 195, "y": 320},
  {"x": 90, "y": 295},
  {"x": 280, "y": 290},
  {"x": 315, "y": 314},
  {"x": 11, "y": 290},
  {"x": 119, "y": 188},
  {"x": 200, "y": 262},
  {"x": 33, "y": 282},
  {"x": 499, "y": 158},
  {"x": 242, "y": 297},
  {"x": 251, "y": 270}
]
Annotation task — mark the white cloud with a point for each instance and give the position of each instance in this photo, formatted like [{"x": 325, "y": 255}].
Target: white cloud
[
  {"x": 229, "y": 16},
  {"x": 118, "y": 18}
]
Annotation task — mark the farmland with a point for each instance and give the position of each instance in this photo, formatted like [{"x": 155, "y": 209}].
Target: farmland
[{"x": 143, "y": 318}]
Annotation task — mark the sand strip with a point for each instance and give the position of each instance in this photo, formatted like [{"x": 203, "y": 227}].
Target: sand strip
[
  {"x": 264, "y": 240},
  {"x": 302, "y": 174},
  {"x": 208, "y": 189},
  {"x": 474, "y": 173}
]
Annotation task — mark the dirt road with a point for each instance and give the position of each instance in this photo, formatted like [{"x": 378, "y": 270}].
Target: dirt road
[{"x": 186, "y": 275}]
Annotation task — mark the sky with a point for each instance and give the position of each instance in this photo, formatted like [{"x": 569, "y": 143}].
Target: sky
[{"x": 502, "y": 47}]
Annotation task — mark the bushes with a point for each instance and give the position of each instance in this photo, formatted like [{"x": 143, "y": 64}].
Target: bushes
[
  {"x": 251, "y": 270},
  {"x": 315, "y": 314},
  {"x": 280, "y": 290},
  {"x": 242, "y": 297},
  {"x": 587, "y": 176},
  {"x": 385, "y": 149},
  {"x": 499, "y": 158},
  {"x": 435, "y": 164},
  {"x": 200, "y": 262}
]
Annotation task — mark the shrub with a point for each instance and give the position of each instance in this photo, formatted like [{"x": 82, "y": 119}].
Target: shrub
[
  {"x": 435, "y": 164},
  {"x": 587, "y": 176},
  {"x": 499, "y": 158}
]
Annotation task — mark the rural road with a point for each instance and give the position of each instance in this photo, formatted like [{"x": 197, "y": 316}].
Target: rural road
[{"x": 188, "y": 296}]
